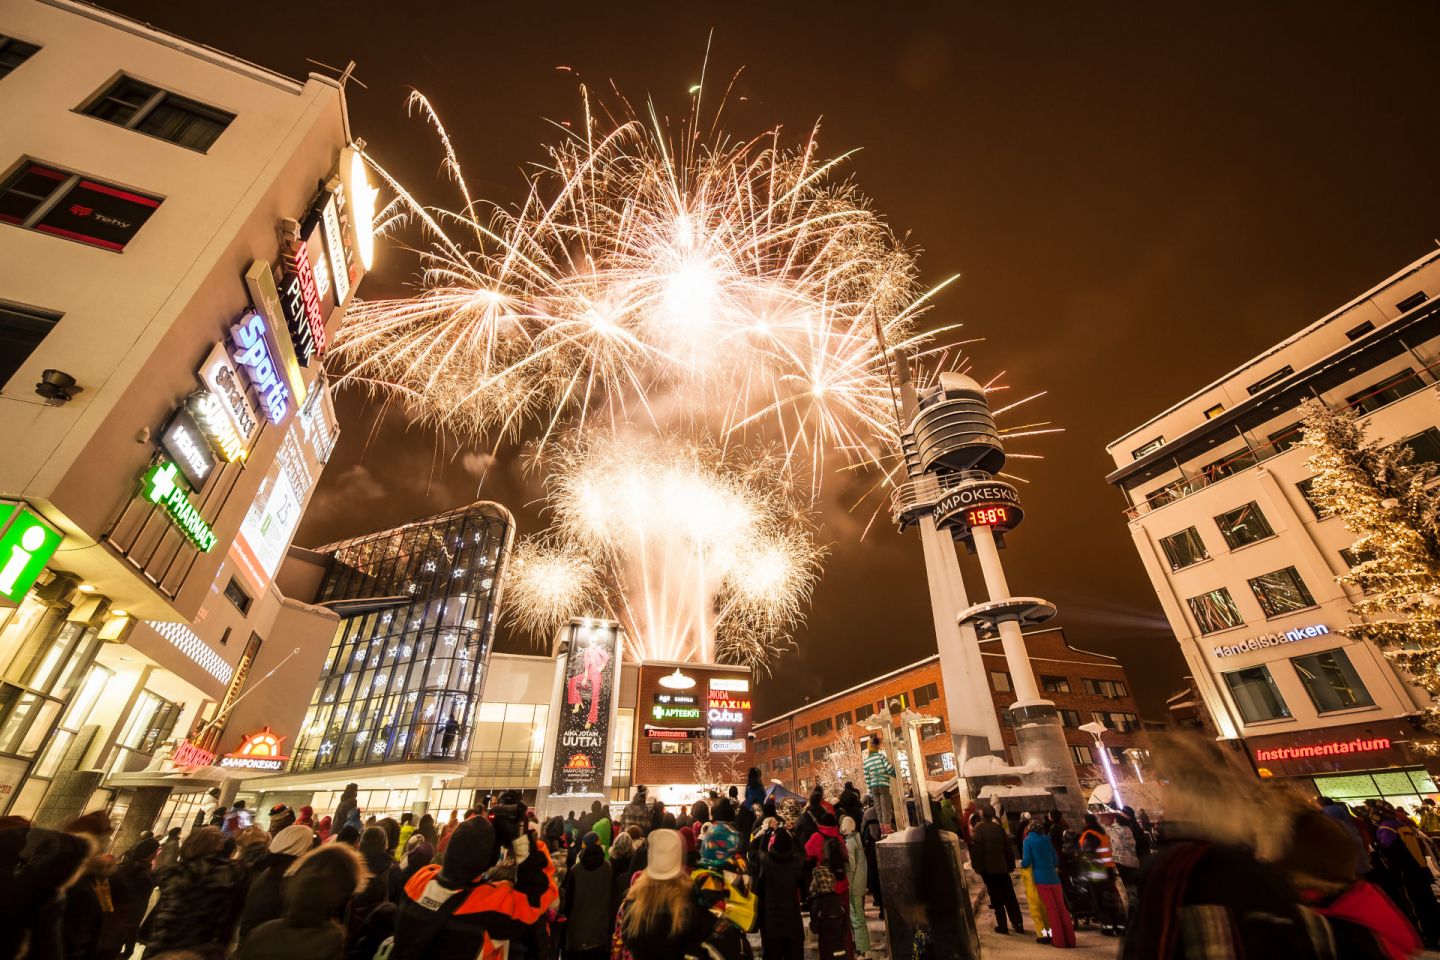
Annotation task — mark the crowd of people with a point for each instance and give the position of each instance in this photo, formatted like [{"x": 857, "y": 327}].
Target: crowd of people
[{"x": 1235, "y": 868}]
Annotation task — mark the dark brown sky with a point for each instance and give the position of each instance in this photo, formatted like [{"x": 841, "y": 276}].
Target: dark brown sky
[{"x": 1138, "y": 197}]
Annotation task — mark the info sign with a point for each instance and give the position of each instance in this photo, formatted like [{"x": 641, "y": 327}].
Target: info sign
[
  {"x": 582, "y": 735},
  {"x": 27, "y": 542}
]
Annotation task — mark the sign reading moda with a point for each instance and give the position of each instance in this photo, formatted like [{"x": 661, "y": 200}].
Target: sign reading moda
[
  {"x": 1332, "y": 749},
  {"x": 1271, "y": 640},
  {"x": 163, "y": 485},
  {"x": 582, "y": 736},
  {"x": 27, "y": 543}
]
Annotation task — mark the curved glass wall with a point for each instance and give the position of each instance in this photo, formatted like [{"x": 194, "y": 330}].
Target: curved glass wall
[{"x": 404, "y": 674}]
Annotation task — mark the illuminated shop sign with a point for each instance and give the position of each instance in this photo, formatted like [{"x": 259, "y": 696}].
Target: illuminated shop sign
[
  {"x": 727, "y": 746},
  {"x": 1336, "y": 748},
  {"x": 27, "y": 543},
  {"x": 1271, "y": 640},
  {"x": 216, "y": 426},
  {"x": 335, "y": 246},
  {"x": 184, "y": 441},
  {"x": 725, "y": 709},
  {"x": 678, "y": 699},
  {"x": 677, "y": 681},
  {"x": 253, "y": 353},
  {"x": 732, "y": 684},
  {"x": 257, "y": 751},
  {"x": 673, "y": 733},
  {"x": 360, "y": 197},
  {"x": 186, "y": 754},
  {"x": 260, "y": 280},
  {"x": 989, "y": 503},
  {"x": 163, "y": 485},
  {"x": 301, "y": 297},
  {"x": 223, "y": 381},
  {"x": 662, "y": 712},
  {"x": 722, "y": 733},
  {"x": 318, "y": 420},
  {"x": 270, "y": 523}
]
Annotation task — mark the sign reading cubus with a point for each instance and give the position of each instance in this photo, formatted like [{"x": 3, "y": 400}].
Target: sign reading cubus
[
  {"x": 587, "y": 672},
  {"x": 163, "y": 485},
  {"x": 27, "y": 542},
  {"x": 979, "y": 503},
  {"x": 257, "y": 751},
  {"x": 265, "y": 296}
]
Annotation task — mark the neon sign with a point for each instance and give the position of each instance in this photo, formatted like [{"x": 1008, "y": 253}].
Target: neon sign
[
  {"x": 215, "y": 423},
  {"x": 1335, "y": 748},
  {"x": 185, "y": 443},
  {"x": 260, "y": 280},
  {"x": 257, "y": 751},
  {"x": 253, "y": 353},
  {"x": 362, "y": 204},
  {"x": 301, "y": 300},
  {"x": 1271, "y": 640},
  {"x": 162, "y": 485},
  {"x": 26, "y": 544},
  {"x": 665, "y": 712},
  {"x": 186, "y": 754}
]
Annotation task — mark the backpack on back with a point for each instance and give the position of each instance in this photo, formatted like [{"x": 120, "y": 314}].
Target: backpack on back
[{"x": 832, "y": 854}]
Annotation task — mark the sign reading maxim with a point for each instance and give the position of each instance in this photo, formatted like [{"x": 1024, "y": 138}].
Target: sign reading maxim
[
  {"x": 1271, "y": 640},
  {"x": 582, "y": 735}
]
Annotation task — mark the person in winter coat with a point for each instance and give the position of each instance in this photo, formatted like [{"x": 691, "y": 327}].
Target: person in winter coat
[
  {"x": 318, "y": 887},
  {"x": 426, "y": 828},
  {"x": 637, "y": 811},
  {"x": 88, "y": 908},
  {"x": 130, "y": 889},
  {"x": 265, "y": 900},
  {"x": 1039, "y": 858},
  {"x": 870, "y": 835},
  {"x": 754, "y": 788},
  {"x": 723, "y": 809},
  {"x": 468, "y": 907},
  {"x": 375, "y": 854},
  {"x": 585, "y": 904},
  {"x": 200, "y": 899},
  {"x": 1409, "y": 880},
  {"x": 1363, "y": 923},
  {"x": 403, "y": 834},
  {"x": 809, "y": 817},
  {"x": 348, "y": 807},
  {"x": 306, "y": 817},
  {"x": 1096, "y": 861},
  {"x": 993, "y": 858},
  {"x": 169, "y": 853},
  {"x": 855, "y": 876},
  {"x": 700, "y": 809},
  {"x": 604, "y": 829},
  {"x": 849, "y": 804},
  {"x": 252, "y": 845},
  {"x": 281, "y": 816},
  {"x": 781, "y": 889},
  {"x": 661, "y": 917},
  {"x": 237, "y": 820},
  {"x": 622, "y": 870},
  {"x": 825, "y": 848},
  {"x": 1121, "y": 832},
  {"x": 828, "y": 920}
]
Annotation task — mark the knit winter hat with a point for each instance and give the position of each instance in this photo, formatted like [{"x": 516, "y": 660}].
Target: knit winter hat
[
  {"x": 623, "y": 846},
  {"x": 293, "y": 841},
  {"x": 822, "y": 881},
  {"x": 472, "y": 850},
  {"x": 667, "y": 855},
  {"x": 719, "y": 845}
]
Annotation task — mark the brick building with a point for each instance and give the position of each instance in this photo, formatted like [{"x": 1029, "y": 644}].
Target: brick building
[{"x": 1085, "y": 686}]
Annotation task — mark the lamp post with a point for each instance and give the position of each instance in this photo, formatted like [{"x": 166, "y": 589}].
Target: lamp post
[{"x": 1098, "y": 731}]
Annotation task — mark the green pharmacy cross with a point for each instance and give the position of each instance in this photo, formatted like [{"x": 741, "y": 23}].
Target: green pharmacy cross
[
  {"x": 27, "y": 543},
  {"x": 162, "y": 484}
]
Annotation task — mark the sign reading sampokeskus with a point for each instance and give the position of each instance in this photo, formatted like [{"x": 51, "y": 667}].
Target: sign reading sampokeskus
[
  {"x": 582, "y": 736},
  {"x": 992, "y": 503}
]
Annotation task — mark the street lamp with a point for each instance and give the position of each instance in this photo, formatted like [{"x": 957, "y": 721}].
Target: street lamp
[{"x": 1098, "y": 730}]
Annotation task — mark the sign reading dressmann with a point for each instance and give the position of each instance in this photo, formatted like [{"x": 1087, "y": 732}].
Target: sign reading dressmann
[{"x": 582, "y": 736}]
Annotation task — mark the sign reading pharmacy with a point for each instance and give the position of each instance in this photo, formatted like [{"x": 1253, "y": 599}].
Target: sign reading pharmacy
[
  {"x": 1271, "y": 640},
  {"x": 27, "y": 542},
  {"x": 163, "y": 485}
]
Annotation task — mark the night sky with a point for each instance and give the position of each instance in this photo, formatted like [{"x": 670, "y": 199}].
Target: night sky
[{"x": 1138, "y": 197}]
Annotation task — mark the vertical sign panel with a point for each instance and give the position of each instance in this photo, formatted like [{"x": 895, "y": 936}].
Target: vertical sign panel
[{"x": 582, "y": 734}]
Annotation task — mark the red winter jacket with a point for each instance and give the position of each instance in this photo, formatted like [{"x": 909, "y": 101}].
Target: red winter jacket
[
  {"x": 1364, "y": 905},
  {"x": 815, "y": 851}
]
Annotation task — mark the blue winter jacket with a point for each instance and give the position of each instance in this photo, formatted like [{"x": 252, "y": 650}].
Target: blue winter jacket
[{"x": 1038, "y": 853}]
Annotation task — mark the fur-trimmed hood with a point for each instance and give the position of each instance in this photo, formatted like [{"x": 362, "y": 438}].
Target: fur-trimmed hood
[{"x": 319, "y": 883}]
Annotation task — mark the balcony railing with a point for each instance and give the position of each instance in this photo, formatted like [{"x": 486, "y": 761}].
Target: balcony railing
[{"x": 1255, "y": 454}]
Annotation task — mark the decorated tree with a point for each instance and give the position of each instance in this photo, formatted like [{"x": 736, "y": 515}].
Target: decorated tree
[
  {"x": 1384, "y": 497},
  {"x": 844, "y": 761}
]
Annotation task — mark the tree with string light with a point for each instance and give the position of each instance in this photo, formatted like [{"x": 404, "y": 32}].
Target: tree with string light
[{"x": 1385, "y": 498}]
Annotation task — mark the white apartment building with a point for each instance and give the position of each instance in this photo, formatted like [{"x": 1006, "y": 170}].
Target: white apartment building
[
  {"x": 178, "y": 231},
  {"x": 1245, "y": 567}
]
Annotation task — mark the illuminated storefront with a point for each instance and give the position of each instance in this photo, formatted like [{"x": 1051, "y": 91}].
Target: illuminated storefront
[{"x": 1352, "y": 763}]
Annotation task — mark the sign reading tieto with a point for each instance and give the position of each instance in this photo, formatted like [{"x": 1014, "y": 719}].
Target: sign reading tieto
[{"x": 1271, "y": 640}]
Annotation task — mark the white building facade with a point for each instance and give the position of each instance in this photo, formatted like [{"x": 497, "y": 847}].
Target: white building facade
[
  {"x": 1243, "y": 564},
  {"x": 179, "y": 229}
]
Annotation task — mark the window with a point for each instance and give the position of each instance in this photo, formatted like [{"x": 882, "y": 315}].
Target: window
[
  {"x": 1353, "y": 558},
  {"x": 802, "y": 759},
  {"x": 687, "y": 746},
  {"x": 1229, "y": 465},
  {"x": 841, "y": 719},
  {"x": 49, "y": 200},
  {"x": 13, "y": 53},
  {"x": 236, "y": 594},
  {"x": 1184, "y": 548},
  {"x": 1331, "y": 681},
  {"x": 932, "y": 730},
  {"x": 762, "y": 747},
  {"x": 1070, "y": 719},
  {"x": 1000, "y": 681},
  {"x": 1148, "y": 448},
  {"x": 1244, "y": 526},
  {"x": 926, "y": 695},
  {"x": 1255, "y": 694},
  {"x": 781, "y": 763},
  {"x": 21, "y": 330},
  {"x": 1307, "y": 490},
  {"x": 1411, "y": 302},
  {"x": 864, "y": 712},
  {"x": 1119, "y": 722},
  {"x": 1158, "y": 498},
  {"x": 1425, "y": 446},
  {"x": 1214, "y": 411},
  {"x": 1285, "y": 438},
  {"x": 1105, "y": 688},
  {"x": 1355, "y": 333},
  {"x": 225, "y": 637},
  {"x": 1054, "y": 684},
  {"x": 1215, "y": 611},
  {"x": 821, "y": 728},
  {"x": 801, "y": 733},
  {"x": 781, "y": 740},
  {"x": 140, "y": 106},
  {"x": 1270, "y": 381},
  {"x": 1281, "y": 592},
  {"x": 1385, "y": 392},
  {"x": 1079, "y": 754}
]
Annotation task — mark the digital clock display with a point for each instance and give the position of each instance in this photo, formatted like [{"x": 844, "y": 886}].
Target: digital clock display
[{"x": 987, "y": 516}]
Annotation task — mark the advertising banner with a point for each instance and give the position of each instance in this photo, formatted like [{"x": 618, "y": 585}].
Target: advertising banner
[{"x": 582, "y": 734}]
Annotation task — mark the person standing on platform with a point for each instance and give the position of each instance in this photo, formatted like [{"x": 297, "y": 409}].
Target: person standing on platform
[
  {"x": 993, "y": 858},
  {"x": 878, "y": 773}
]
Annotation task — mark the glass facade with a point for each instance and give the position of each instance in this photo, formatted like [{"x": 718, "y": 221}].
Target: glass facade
[{"x": 405, "y": 671}]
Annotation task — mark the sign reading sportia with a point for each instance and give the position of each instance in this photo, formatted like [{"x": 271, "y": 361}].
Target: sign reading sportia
[
  {"x": 27, "y": 542},
  {"x": 582, "y": 735},
  {"x": 163, "y": 485},
  {"x": 1271, "y": 640},
  {"x": 257, "y": 751},
  {"x": 252, "y": 351}
]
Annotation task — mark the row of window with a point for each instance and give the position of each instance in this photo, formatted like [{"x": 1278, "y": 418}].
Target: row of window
[
  {"x": 1328, "y": 677},
  {"x": 1112, "y": 689},
  {"x": 1278, "y": 592}
]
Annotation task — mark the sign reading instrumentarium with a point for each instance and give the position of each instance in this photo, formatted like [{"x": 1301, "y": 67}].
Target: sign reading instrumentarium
[
  {"x": 163, "y": 485},
  {"x": 27, "y": 543}
]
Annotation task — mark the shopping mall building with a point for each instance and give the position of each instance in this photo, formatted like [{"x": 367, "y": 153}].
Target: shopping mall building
[
  {"x": 1244, "y": 563},
  {"x": 180, "y": 232}
]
